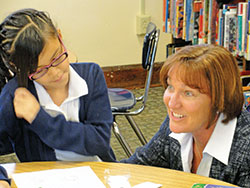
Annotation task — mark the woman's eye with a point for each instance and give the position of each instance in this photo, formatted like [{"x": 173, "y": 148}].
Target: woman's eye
[
  {"x": 189, "y": 93},
  {"x": 170, "y": 87}
]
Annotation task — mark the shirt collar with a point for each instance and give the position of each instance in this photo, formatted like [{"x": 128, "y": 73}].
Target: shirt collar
[
  {"x": 75, "y": 90},
  {"x": 222, "y": 134},
  {"x": 186, "y": 142},
  {"x": 218, "y": 146},
  {"x": 77, "y": 85}
]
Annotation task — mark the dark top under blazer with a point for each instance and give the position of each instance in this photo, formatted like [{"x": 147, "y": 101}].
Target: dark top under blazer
[{"x": 37, "y": 141}]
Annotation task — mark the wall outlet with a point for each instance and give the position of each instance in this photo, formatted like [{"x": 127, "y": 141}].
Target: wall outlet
[{"x": 142, "y": 22}]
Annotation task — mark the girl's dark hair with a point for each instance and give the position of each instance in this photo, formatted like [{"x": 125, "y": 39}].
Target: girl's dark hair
[{"x": 22, "y": 37}]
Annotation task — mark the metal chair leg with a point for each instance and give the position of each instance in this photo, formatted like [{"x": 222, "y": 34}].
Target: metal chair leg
[
  {"x": 121, "y": 139},
  {"x": 136, "y": 129}
]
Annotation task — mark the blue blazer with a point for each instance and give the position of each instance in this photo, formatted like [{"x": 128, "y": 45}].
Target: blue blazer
[{"x": 37, "y": 141}]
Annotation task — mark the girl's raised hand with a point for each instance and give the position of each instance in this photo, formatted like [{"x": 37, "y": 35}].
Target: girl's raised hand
[{"x": 26, "y": 105}]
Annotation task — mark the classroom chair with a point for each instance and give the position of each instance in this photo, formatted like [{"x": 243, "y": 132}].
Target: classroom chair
[{"x": 123, "y": 101}]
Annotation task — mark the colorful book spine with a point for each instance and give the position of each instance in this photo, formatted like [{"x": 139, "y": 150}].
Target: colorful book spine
[
  {"x": 173, "y": 17},
  {"x": 201, "y": 34},
  {"x": 201, "y": 185},
  {"x": 191, "y": 27},
  {"x": 179, "y": 18},
  {"x": 242, "y": 9},
  {"x": 197, "y": 5},
  {"x": 230, "y": 30},
  {"x": 247, "y": 100},
  {"x": 244, "y": 29},
  {"x": 209, "y": 34},
  {"x": 166, "y": 16},
  {"x": 184, "y": 32},
  {"x": 232, "y": 34},
  {"x": 205, "y": 20},
  {"x": 220, "y": 26},
  {"x": 247, "y": 51},
  {"x": 188, "y": 18},
  {"x": 214, "y": 22},
  {"x": 247, "y": 44}
]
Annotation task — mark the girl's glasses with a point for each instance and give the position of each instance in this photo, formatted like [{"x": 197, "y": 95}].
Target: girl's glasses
[{"x": 57, "y": 61}]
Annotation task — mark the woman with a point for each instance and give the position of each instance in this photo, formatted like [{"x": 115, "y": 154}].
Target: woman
[
  {"x": 52, "y": 110},
  {"x": 207, "y": 131}
]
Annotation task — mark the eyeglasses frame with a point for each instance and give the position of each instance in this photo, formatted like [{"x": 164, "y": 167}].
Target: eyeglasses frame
[{"x": 51, "y": 64}]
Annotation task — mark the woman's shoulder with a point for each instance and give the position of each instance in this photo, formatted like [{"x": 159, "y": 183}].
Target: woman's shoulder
[
  {"x": 243, "y": 122},
  {"x": 242, "y": 132}
]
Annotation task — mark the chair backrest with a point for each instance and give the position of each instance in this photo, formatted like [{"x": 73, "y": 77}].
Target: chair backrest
[{"x": 148, "y": 56}]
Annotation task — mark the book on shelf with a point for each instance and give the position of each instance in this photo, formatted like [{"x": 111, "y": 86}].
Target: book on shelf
[
  {"x": 190, "y": 18},
  {"x": 197, "y": 5},
  {"x": 247, "y": 99},
  {"x": 220, "y": 26},
  {"x": 213, "y": 27},
  {"x": 205, "y": 21},
  {"x": 172, "y": 17},
  {"x": 230, "y": 30},
  {"x": 210, "y": 8},
  {"x": 201, "y": 185},
  {"x": 226, "y": 8},
  {"x": 166, "y": 16},
  {"x": 184, "y": 20},
  {"x": 200, "y": 36},
  {"x": 179, "y": 18},
  {"x": 242, "y": 10},
  {"x": 247, "y": 47}
]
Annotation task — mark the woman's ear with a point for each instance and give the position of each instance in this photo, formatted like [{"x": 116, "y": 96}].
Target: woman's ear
[{"x": 59, "y": 33}]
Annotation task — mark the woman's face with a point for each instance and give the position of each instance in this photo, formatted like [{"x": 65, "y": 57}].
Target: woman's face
[
  {"x": 188, "y": 109},
  {"x": 56, "y": 77}
]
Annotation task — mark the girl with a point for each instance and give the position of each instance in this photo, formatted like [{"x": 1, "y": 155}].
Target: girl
[{"x": 51, "y": 109}]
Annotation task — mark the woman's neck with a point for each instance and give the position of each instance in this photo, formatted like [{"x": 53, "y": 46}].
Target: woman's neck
[{"x": 200, "y": 140}]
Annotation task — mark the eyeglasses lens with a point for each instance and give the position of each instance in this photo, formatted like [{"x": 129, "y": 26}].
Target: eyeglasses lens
[
  {"x": 59, "y": 60},
  {"x": 43, "y": 71}
]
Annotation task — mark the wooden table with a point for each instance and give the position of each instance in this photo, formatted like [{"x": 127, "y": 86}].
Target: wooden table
[{"x": 138, "y": 173}]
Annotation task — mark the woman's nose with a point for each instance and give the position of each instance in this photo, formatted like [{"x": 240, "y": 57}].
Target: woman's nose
[{"x": 173, "y": 100}]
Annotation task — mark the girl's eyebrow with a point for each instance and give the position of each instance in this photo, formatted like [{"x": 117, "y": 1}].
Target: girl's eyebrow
[{"x": 51, "y": 59}]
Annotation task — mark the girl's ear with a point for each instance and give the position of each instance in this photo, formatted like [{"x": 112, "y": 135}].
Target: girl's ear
[{"x": 59, "y": 33}]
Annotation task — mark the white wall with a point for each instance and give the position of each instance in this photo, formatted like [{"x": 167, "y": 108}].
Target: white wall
[{"x": 101, "y": 31}]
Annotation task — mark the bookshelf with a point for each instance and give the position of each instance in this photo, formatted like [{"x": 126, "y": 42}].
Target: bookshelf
[{"x": 221, "y": 22}]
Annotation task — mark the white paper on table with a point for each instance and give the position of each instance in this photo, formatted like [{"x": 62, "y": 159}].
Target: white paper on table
[
  {"x": 147, "y": 185},
  {"x": 58, "y": 178}
]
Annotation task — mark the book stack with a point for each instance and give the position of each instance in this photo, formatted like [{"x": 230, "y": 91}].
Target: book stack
[{"x": 204, "y": 22}]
